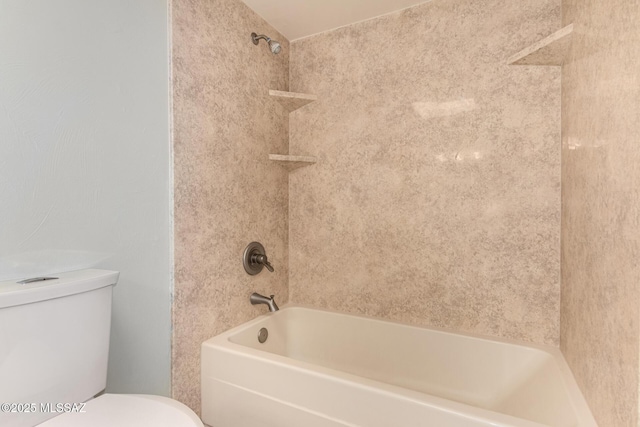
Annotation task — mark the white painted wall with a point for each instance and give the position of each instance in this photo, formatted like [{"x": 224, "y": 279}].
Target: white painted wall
[{"x": 85, "y": 163}]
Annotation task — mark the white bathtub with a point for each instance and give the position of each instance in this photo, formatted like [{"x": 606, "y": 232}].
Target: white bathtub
[{"x": 326, "y": 369}]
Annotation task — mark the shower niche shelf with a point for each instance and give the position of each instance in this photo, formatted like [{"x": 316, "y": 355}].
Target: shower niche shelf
[
  {"x": 291, "y": 101},
  {"x": 292, "y": 162},
  {"x": 551, "y": 50}
]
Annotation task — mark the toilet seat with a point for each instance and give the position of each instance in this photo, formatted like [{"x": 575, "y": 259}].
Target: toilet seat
[{"x": 128, "y": 410}]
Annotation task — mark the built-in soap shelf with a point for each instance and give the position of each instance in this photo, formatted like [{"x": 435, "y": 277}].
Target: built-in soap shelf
[
  {"x": 291, "y": 101},
  {"x": 551, "y": 50},
  {"x": 292, "y": 162}
]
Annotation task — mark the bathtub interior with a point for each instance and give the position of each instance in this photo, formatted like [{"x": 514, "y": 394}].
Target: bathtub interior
[{"x": 521, "y": 381}]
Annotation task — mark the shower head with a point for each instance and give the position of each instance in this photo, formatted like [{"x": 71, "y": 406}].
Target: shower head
[{"x": 274, "y": 46}]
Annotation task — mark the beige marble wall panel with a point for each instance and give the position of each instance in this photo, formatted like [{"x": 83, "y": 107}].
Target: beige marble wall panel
[
  {"x": 436, "y": 196},
  {"x": 600, "y": 329},
  {"x": 227, "y": 192}
]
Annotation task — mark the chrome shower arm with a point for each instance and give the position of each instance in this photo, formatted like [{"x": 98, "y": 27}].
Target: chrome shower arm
[{"x": 256, "y": 38}]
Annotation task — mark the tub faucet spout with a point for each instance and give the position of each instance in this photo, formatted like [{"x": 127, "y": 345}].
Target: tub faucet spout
[{"x": 261, "y": 299}]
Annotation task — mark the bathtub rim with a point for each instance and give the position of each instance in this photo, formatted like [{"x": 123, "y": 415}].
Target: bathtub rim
[{"x": 583, "y": 413}]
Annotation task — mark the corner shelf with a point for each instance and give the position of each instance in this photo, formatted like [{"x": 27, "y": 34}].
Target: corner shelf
[
  {"x": 291, "y": 100},
  {"x": 551, "y": 50},
  {"x": 292, "y": 162}
]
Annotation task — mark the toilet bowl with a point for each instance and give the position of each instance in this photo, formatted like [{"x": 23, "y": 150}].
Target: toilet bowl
[{"x": 128, "y": 410}]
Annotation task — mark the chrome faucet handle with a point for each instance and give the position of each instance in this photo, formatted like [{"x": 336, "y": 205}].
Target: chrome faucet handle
[
  {"x": 262, "y": 259},
  {"x": 268, "y": 266},
  {"x": 255, "y": 258}
]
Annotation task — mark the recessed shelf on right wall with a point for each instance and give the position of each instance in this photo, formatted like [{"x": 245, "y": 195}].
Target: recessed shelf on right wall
[
  {"x": 292, "y": 100},
  {"x": 292, "y": 162},
  {"x": 551, "y": 50}
]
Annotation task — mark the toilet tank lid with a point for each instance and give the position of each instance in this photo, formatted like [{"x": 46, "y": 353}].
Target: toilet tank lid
[{"x": 13, "y": 293}]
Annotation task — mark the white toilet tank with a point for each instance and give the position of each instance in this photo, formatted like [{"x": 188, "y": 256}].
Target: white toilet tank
[{"x": 54, "y": 341}]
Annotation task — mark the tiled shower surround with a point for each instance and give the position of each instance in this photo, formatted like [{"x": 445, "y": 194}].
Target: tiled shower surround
[
  {"x": 227, "y": 193},
  {"x": 600, "y": 334},
  {"x": 436, "y": 195},
  {"x": 435, "y": 199}
]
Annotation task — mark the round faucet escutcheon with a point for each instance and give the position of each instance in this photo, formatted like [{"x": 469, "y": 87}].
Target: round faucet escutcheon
[{"x": 255, "y": 259}]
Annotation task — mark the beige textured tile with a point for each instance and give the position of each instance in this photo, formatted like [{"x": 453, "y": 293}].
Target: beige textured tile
[
  {"x": 227, "y": 192},
  {"x": 436, "y": 196},
  {"x": 600, "y": 329}
]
